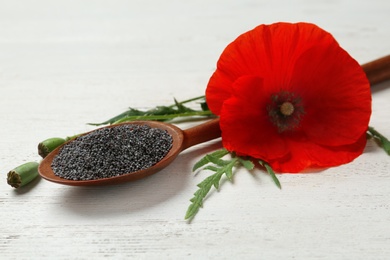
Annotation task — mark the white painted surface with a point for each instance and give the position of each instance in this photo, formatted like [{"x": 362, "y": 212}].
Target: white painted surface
[{"x": 66, "y": 63}]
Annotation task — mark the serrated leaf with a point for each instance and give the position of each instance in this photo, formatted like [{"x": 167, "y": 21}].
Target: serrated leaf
[
  {"x": 205, "y": 160},
  {"x": 216, "y": 184},
  {"x": 219, "y": 153},
  {"x": 211, "y": 168},
  {"x": 205, "y": 185},
  {"x": 160, "y": 113},
  {"x": 219, "y": 172},
  {"x": 384, "y": 142},
  {"x": 217, "y": 161},
  {"x": 272, "y": 173},
  {"x": 204, "y": 106},
  {"x": 161, "y": 110},
  {"x": 200, "y": 194},
  {"x": 248, "y": 164},
  {"x": 229, "y": 169},
  {"x": 182, "y": 108},
  {"x": 210, "y": 180}
]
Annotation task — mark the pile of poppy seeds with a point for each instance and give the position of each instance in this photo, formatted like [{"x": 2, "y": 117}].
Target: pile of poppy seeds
[{"x": 110, "y": 152}]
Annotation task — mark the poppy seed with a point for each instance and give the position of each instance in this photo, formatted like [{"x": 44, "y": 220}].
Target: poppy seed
[{"x": 110, "y": 152}]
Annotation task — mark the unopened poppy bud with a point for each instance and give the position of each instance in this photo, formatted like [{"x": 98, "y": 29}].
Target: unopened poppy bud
[
  {"x": 47, "y": 146},
  {"x": 23, "y": 174}
]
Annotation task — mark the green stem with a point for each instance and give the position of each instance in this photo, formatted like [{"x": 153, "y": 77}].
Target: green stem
[
  {"x": 163, "y": 117},
  {"x": 135, "y": 114},
  {"x": 188, "y": 100}
]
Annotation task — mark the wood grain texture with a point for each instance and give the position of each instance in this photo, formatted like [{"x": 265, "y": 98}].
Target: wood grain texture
[{"x": 66, "y": 63}]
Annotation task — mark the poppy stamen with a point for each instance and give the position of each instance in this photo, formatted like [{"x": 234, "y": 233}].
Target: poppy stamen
[
  {"x": 285, "y": 111},
  {"x": 287, "y": 108}
]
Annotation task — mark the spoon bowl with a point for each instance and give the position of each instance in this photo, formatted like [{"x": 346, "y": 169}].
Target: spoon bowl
[{"x": 181, "y": 140}]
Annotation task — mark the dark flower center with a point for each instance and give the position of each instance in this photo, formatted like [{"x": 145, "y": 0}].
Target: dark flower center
[{"x": 285, "y": 111}]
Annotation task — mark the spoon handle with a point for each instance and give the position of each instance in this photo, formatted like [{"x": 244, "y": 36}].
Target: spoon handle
[
  {"x": 377, "y": 70},
  {"x": 201, "y": 133}
]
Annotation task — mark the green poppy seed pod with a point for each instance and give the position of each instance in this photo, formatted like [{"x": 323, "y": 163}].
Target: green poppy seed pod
[
  {"x": 23, "y": 174},
  {"x": 47, "y": 146}
]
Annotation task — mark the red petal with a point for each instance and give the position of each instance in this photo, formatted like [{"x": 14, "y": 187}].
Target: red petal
[
  {"x": 268, "y": 51},
  {"x": 307, "y": 154},
  {"x": 217, "y": 91},
  {"x": 335, "y": 93},
  {"x": 306, "y": 61},
  {"x": 246, "y": 128}
]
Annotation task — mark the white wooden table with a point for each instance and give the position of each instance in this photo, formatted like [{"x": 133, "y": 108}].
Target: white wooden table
[{"x": 66, "y": 63}]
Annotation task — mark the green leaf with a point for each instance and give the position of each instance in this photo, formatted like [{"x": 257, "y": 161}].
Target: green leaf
[
  {"x": 206, "y": 159},
  {"x": 204, "y": 106},
  {"x": 229, "y": 170},
  {"x": 164, "y": 117},
  {"x": 248, "y": 164},
  {"x": 130, "y": 112},
  {"x": 220, "y": 167},
  {"x": 200, "y": 194},
  {"x": 213, "y": 180},
  {"x": 181, "y": 108},
  {"x": 211, "y": 168},
  {"x": 217, "y": 161},
  {"x": 271, "y": 172},
  {"x": 161, "y": 113},
  {"x": 384, "y": 142}
]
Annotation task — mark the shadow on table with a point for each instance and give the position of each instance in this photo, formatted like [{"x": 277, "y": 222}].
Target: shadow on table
[{"x": 138, "y": 195}]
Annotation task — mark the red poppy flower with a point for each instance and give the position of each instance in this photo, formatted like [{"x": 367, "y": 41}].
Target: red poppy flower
[{"x": 290, "y": 95}]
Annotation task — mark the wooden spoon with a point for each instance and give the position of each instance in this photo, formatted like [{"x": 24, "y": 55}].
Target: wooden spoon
[
  {"x": 181, "y": 140},
  {"x": 376, "y": 71}
]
